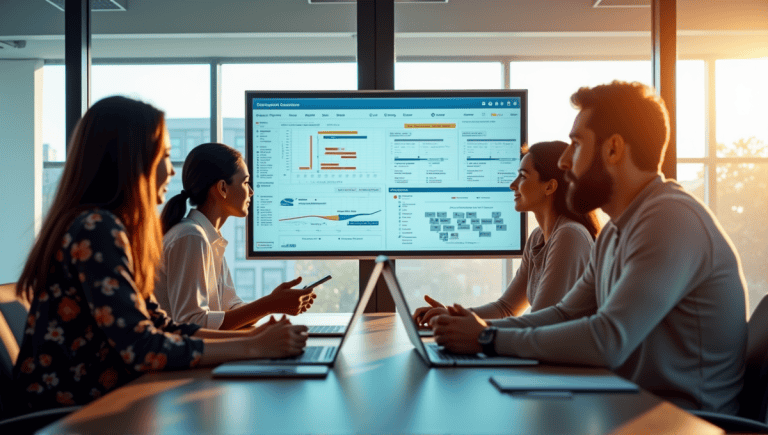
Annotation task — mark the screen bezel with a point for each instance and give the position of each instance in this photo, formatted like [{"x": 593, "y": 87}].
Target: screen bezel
[{"x": 368, "y": 255}]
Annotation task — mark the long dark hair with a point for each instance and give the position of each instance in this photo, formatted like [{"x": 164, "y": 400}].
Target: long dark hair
[
  {"x": 205, "y": 165},
  {"x": 545, "y": 156},
  {"x": 113, "y": 155}
]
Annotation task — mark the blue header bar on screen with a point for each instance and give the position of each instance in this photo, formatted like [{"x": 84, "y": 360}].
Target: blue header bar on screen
[{"x": 385, "y": 103}]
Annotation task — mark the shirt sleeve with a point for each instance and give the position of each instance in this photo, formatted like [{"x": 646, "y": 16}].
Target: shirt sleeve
[
  {"x": 161, "y": 320},
  {"x": 102, "y": 258},
  {"x": 229, "y": 299},
  {"x": 185, "y": 261},
  {"x": 566, "y": 258},
  {"x": 666, "y": 255}
]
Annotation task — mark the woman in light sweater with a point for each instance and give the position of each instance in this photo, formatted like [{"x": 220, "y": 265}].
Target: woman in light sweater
[
  {"x": 555, "y": 254},
  {"x": 194, "y": 283}
]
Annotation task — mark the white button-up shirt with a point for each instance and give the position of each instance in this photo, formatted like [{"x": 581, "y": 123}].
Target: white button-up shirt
[{"x": 194, "y": 284}]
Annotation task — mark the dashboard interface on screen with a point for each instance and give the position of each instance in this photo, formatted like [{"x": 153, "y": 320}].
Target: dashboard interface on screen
[{"x": 358, "y": 174}]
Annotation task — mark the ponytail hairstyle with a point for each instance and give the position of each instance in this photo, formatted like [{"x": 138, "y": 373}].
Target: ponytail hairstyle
[
  {"x": 545, "y": 156},
  {"x": 205, "y": 165},
  {"x": 111, "y": 164}
]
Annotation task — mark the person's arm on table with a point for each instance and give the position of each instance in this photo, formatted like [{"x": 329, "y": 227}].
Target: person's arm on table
[
  {"x": 275, "y": 339},
  {"x": 641, "y": 297},
  {"x": 513, "y": 302}
]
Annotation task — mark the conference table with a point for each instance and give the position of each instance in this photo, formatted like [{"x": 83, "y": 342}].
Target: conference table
[{"x": 379, "y": 384}]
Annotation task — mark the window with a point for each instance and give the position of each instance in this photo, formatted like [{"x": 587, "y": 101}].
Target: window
[
  {"x": 245, "y": 283},
  {"x": 339, "y": 294}
]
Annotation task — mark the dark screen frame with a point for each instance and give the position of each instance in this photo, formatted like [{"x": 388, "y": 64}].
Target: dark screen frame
[{"x": 367, "y": 255}]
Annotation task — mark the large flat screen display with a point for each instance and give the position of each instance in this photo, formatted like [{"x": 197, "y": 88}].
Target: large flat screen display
[{"x": 356, "y": 174}]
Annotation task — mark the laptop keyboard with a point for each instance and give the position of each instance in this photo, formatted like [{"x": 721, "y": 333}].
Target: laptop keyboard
[
  {"x": 314, "y": 353},
  {"x": 442, "y": 354},
  {"x": 326, "y": 329}
]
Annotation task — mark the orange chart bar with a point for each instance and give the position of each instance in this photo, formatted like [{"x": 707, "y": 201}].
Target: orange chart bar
[
  {"x": 348, "y": 157},
  {"x": 340, "y": 153},
  {"x": 328, "y": 164},
  {"x": 337, "y": 168},
  {"x": 337, "y": 132},
  {"x": 307, "y": 168}
]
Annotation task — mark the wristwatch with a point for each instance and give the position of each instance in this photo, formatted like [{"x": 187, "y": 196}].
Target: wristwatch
[{"x": 487, "y": 340}]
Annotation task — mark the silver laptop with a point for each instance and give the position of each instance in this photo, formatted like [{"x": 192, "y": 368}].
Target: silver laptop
[
  {"x": 434, "y": 355},
  {"x": 325, "y": 324},
  {"x": 312, "y": 355}
]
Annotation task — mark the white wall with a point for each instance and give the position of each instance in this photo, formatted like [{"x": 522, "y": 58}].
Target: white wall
[{"x": 21, "y": 162}]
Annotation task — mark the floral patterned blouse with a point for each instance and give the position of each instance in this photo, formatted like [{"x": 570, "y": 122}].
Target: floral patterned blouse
[{"x": 90, "y": 331}]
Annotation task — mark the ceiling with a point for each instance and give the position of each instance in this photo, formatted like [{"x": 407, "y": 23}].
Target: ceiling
[{"x": 278, "y": 29}]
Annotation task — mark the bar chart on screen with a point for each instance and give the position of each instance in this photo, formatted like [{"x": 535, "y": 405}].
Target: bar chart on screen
[{"x": 331, "y": 155}]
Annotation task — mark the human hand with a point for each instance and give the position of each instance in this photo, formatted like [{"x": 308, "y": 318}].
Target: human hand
[
  {"x": 279, "y": 339},
  {"x": 253, "y": 331},
  {"x": 287, "y": 300},
  {"x": 422, "y": 315},
  {"x": 458, "y": 330}
]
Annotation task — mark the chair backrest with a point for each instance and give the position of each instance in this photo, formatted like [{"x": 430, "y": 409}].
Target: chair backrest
[
  {"x": 754, "y": 396},
  {"x": 13, "y": 315}
]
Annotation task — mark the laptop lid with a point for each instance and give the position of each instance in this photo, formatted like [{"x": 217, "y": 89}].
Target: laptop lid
[{"x": 396, "y": 291}]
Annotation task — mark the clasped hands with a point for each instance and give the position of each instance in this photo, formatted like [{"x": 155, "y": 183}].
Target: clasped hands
[{"x": 455, "y": 327}]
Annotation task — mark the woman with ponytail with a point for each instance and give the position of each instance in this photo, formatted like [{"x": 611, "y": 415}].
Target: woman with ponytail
[
  {"x": 555, "y": 254},
  {"x": 194, "y": 283},
  {"x": 93, "y": 323}
]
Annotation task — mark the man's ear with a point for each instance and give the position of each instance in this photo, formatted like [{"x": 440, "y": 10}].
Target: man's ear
[{"x": 614, "y": 150}]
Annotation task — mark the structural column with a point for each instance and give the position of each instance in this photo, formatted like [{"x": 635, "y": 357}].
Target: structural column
[
  {"x": 77, "y": 61},
  {"x": 664, "y": 39},
  {"x": 375, "y": 71}
]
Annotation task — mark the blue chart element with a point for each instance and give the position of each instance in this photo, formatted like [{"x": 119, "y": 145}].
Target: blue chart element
[
  {"x": 343, "y": 217},
  {"x": 336, "y": 217},
  {"x": 287, "y": 202}
]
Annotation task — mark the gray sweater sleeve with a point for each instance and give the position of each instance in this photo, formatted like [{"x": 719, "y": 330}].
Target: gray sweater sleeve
[{"x": 665, "y": 255}]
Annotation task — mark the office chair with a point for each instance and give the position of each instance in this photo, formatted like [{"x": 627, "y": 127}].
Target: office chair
[
  {"x": 13, "y": 316},
  {"x": 753, "y": 398}
]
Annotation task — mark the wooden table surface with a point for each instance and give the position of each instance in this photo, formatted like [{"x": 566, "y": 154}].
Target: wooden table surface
[{"x": 378, "y": 385}]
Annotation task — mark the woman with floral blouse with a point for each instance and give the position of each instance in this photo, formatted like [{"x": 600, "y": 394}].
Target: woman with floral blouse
[{"x": 94, "y": 324}]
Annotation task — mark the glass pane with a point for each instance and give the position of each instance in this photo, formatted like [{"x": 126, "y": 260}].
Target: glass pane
[
  {"x": 693, "y": 178},
  {"x": 340, "y": 293},
  {"x": 183, "y": 92},
  {"x": 463, "y": 281},
  {"x": 54, "y": 131},
  {"x": 691, "y": 108},
  {"x": 551, "y": 84},
  {"x": 449, "y": 75},
  {"x": 741, "y": 91},
  {"x": 469, "y": 282},
  {"x": 742, "y": 201}
]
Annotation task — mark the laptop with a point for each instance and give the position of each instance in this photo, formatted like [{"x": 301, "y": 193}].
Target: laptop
[
  {"x": 325, "y": 324},
  {"x": 433, "y": 354},
  {"x": 322, "y": 358}
]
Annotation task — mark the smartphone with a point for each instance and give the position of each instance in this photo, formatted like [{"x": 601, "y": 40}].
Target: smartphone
[{"x": 318, "y": 282}]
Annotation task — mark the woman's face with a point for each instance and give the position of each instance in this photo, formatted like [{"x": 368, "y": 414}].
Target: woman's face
[
  {"x": 164, "y": 170},
  {"x": 530, "y": 192},
  {"x": 239, "y": 193}
]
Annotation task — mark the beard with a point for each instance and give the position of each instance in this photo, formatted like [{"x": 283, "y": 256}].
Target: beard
[{"x": 591, "y": 190}]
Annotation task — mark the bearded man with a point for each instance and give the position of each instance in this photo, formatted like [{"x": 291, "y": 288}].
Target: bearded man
[{"x": 663, "y": 300}]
